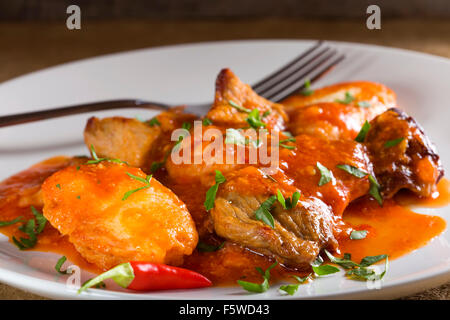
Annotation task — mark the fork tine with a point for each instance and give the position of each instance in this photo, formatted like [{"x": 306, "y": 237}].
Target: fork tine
[
  {"x": 278, "y": 75},
  {"x": 305, "y": 68},
  {"x": 273, "y": 85},
  {"x": 317, "y": 71}
]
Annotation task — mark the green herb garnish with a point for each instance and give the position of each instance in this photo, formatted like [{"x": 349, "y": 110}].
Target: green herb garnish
[
  {"x": 365, "y": 274},
  {"x": 205, "y": 247},
  {"x": 325, "y": 174},
  {"x": 352, "y": 170},
  {"x": 325, "y": 269},
  {"x": 306, "y": 91},
  {"x": 374, "y": 190},
  {"x": 254, "y": 119},
  {"x": 291, "y": 289},
  {"x": 145, "y": 180},
  {"x": 345, "y": 262},
  {"x": 263, "y": 212},
  {"x": 59, "y": 265},
  {"x": 32, "y": 228},
  {"x": 392, "y": 143},
  {"x": 360, "y": 271},
  {"x": 206, "y": 122},
  {"x": 11, "y": 222},
  {"x": 284, "y": 145},
  {"x": 98, "y": 160},
  {"x": 238, "y": 107},
  {"x": 258, "y": 287},
  {"x": 211, "y": 193},
  {"x": 288, "y": 203},
  {"x": 153, "y": 122},
  {"x": 186, "y": 125},
  {"x": 363, "y": 132},
  {"x": 349, "y": 98}
]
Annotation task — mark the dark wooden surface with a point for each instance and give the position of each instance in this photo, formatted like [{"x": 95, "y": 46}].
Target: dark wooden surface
[
  {"x": 30, "y": 46},
  {"x": 107, "y": 9}
]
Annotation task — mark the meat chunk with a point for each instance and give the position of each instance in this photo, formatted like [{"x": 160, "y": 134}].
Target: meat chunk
[
  {"x": 403, "y": 157},
  {"x": 298, "y": 234},
  {"x": 108, "y": 224},
  {"x": 331, "y": 120},
  {"x": 301, "y": 165},
  {"x": 230, "y": 90},
  {"x": 135, "y": 142},
  {"x": 375, "y": 94},
  {"x": 338, "y": 111}
]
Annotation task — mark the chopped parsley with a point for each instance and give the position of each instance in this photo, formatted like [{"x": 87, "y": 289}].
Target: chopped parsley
[
  {"x": 392, "y": 143},
  {"x": 238, "y": 107},
  {"x": 363, "y": 132},
  {"x": 291, "y": 289},
  {"x": 205, "y": 247},
  {"x": 206, "y": 122},
  {"x": 254, "y": 119},
  {"x": 288, "y": 203},
  {"x": 349, "y": 98},
  {"x": 263, "y": 212},
  {"x": 145, "y": 180},
  {"x": 358, "y": 234},
  {"x": 374, "y": 190},
  {"x": 11, "y": 222},
  {"x": 325, "y": 174},
  {"x": 306, "y": 91},
  {"x": 258, "y": 287},
  {"x": 360, "y": 271},
  {"x": 284, "y": 145},
  {"x": 211, "y": 193},
  {"x": 352, "y": 170},
  {"x": 153, "y": 122},
  {"x": 98, "y": 160},
  {"x": 58, "y": 186},
  {"x": 323, "y": 269},
  {"x": 59, "y": 265},
  {"x": 186, "y": 126},
  {"x": 32, "y": 228}
]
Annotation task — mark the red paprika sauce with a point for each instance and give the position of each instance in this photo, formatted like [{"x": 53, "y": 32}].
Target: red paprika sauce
[{"x": 394, "y": 229}]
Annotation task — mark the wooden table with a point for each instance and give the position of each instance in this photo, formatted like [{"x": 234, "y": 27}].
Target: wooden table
[{"x": 30, "y": 46}]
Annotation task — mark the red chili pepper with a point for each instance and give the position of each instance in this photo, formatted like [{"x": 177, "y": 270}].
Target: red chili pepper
[{"x": 146, "y": 276}]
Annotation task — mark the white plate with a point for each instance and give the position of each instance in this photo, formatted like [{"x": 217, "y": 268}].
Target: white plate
[{"x": 186, "y": 74}]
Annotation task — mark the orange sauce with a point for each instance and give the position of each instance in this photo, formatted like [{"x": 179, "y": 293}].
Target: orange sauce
[
  {"x": 393, "y": 229},
  {"x": 21, "y": 191}
]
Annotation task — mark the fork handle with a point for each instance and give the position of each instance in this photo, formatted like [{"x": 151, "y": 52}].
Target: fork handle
[{"x": 76, "y": 109}]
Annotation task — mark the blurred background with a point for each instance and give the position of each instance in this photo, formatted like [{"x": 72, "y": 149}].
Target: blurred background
[{"x": 33, "y": 34}]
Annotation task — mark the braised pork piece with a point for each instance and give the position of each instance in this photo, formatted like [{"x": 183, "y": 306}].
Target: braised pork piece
[{"x": 322, "y": 162}]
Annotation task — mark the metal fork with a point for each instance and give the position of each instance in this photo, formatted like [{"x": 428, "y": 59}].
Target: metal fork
[{"x": 310, "y": 65}]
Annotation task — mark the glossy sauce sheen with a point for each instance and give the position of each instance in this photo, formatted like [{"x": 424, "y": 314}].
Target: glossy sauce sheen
[{"x": 393, "y": 229}]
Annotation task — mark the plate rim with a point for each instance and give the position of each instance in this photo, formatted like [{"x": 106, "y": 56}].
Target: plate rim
[{"x": 35, "y": 284}]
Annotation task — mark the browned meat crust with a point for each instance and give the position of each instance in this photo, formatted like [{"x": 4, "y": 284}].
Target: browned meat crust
[
  {"x": 299, "y": 233},
  {"x": 412, "y": 163},
  {"x": 230, "y": 88}
]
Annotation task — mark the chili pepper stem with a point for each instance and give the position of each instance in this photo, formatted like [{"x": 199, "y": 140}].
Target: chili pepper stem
[{"x": 122, "y": 274}]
